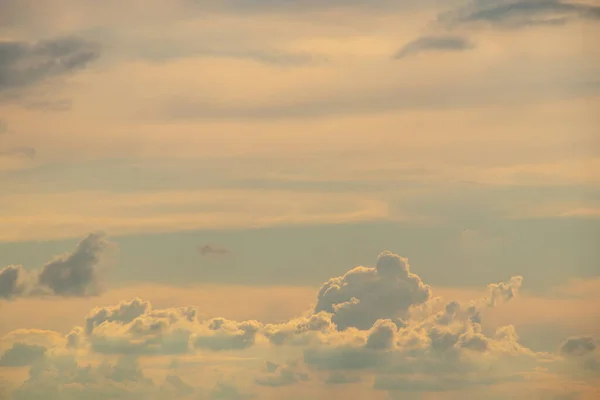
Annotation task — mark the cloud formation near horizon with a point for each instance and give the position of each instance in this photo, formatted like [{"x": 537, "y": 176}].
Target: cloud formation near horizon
[{"x": 379, "y": 322}]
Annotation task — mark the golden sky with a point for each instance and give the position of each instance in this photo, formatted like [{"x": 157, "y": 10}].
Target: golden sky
[{"x": 218, "y": 199}]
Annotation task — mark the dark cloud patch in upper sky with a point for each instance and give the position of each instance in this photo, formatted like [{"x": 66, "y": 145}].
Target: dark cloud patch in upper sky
[
  {"x": 26, "y": 63},
  {"x": 518, "y": 13},
  {"x": 434, "y": 43}
]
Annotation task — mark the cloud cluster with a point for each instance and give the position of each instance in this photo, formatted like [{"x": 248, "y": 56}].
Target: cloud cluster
[
  {"x": 365, "y": 294},
  {"x": 379, "y": 322},
  {"x": 73, "y": 274}
]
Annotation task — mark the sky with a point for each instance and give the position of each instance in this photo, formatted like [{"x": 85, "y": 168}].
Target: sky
[{"x": 299, "y": 199}]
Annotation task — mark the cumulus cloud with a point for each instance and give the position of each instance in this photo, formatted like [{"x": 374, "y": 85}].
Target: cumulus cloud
[
  {"x": 73, "y": 274},
  {"x": 365, "y": 294},
  {"x": 26, "y": 63},
  {"x": 124, "y": 312},
  {"x": 400, "y": 337},
  {"x": 447, "y": 43},
  {"x": 134, "y": 327}
]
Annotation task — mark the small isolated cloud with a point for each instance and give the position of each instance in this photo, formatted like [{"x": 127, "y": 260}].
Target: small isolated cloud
[
  {"x": 209, "y": 249},
  {"x": 434, "y": 44},
  {"x": 26, "y": 63},
  {"x": 73, "y": 274},
  {"x": 578, "y": 346}
]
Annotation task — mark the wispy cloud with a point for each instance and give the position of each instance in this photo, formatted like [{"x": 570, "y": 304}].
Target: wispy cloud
[
  {"x": 26, "y": 63},
  {"x": 434, "y": 44},
  {"x": 519, "y": 13}
]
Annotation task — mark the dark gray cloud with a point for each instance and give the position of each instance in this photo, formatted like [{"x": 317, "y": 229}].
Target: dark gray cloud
[
  {"x": 518, "y": 13},
  {"x": 578, "y": 346},
  {"x": 209, "y": 249},
  {"x": 22, "y": 354},
  {"x": 363, "y": 295},
  {"x": 9, "y": 282},
  {"x": 73, "y": 274},
  {"x": 26, "y": 63},
  {"x": 76, "y": 273},
  {"x": 447, "y": 43}
]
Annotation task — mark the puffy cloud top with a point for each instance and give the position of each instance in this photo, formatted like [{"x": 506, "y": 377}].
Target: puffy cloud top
[{"x": 365, "y": 294}]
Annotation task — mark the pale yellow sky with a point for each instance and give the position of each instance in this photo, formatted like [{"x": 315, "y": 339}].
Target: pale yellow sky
[{"x": 300, "y": 139}]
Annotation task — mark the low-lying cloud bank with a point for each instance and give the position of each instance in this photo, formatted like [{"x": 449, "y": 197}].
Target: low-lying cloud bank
[{"x": 378, "y": 328}]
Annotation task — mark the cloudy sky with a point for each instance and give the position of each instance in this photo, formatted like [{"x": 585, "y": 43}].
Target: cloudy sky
[{"x": 299, "y": 199}]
